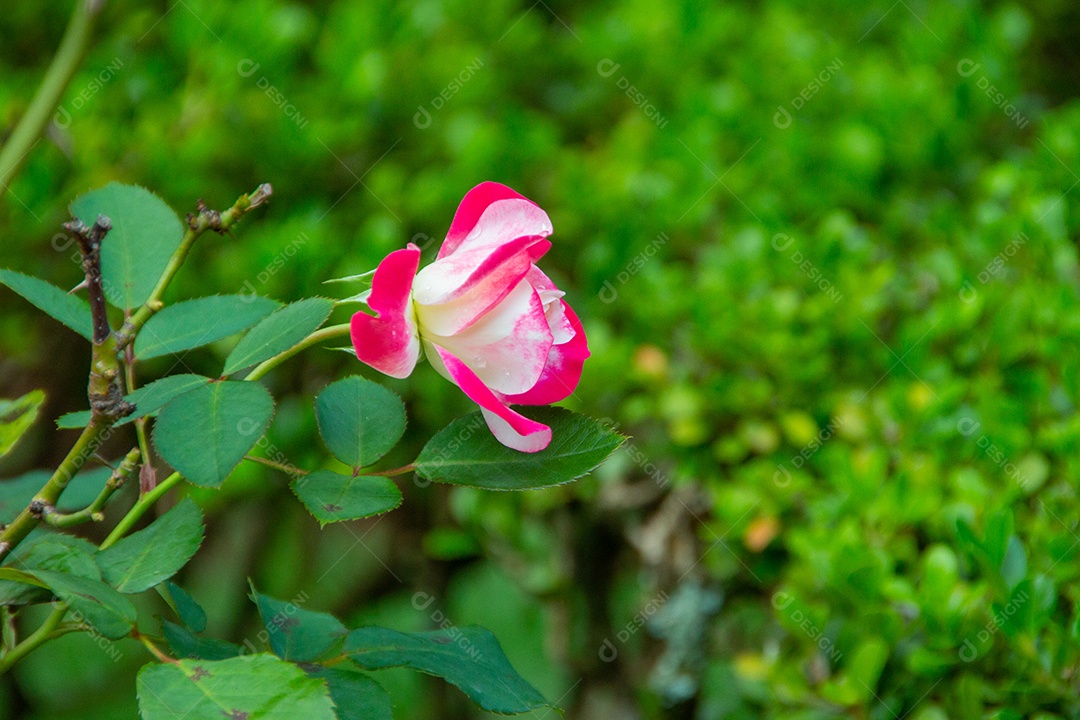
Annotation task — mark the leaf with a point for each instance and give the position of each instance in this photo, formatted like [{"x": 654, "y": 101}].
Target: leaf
[
  {"x": 16, "y": 417},
  {"x": 278, "y": 332},
  {"x": 256, "y": 687},
  {"x": 194, "y": 323},
  {"x": 147, "y": 400},
  {"x": 466, "y": 453},
  {"x": 1014, "y": 564},
  {"x": 355, "y": 695},
  {"x": 296, "y": 634},
  {"x": 93, "y": 602},
  {"x": 468, "y": 657},
  {"x": 145, "y": 558},
  {"x": 332, "y": 497},
  {"x": 205, "y": 433},
  {"x": 189, "y": 611},
  {"x": 145, "y": 234},
  {"x": 70, "y": 310},
  {"x": 186, "y": 644},
  {"x": 47, "y": 551},
  {"x": 359, "y": 420}
]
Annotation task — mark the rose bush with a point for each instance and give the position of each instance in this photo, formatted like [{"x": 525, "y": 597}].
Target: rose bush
[{"x": 488, "y": 319}]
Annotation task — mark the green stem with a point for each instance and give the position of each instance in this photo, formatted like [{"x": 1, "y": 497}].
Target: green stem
[
  {"x": 139, "y": 509},
  {"x": 411, "y": 467},
  {"x": 38, "y": 637},
  {"x": 199, "y": 223},
  {"x": 94, "y": 510},
  {"x": 287, "y": 469},
  {"x": 316, "y": 337},
  {"x": 87, "y": 445},
  {"x": 65, "y": 63},
  {"x": 140, "y": 423}
]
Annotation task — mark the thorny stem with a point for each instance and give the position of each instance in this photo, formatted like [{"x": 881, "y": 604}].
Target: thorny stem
[{"x": 69, "y": 56}]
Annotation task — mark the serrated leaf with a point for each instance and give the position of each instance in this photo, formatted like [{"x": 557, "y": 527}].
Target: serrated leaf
[
  {"x": 194, "y": 323},
  {"x": 72, "y": 311},
  {"x": 186, "y": 644},
  {"x": 466, "y": 453},
  {"x": 147, "y": 400},
  {"x": 91, "y": 601},
  {"x": 278, "y": 332},
  {"x": 467, "y": 657},
  {"x": 359, "y": 420},
  {"x": 145, "y": 234},
  {"x": 47, "y": 551},
  {"x": 257, "y": 687},
  {"x": 355, "y": 695},
  {"x": 190, "y": 612},
  {"x": 332, "y": 497},
  {"x": 205, "y": 433},
  {"x": 16, "y": 417},
  {"x": 145, "y": 558},
  {"x": 297, "y": 634}
]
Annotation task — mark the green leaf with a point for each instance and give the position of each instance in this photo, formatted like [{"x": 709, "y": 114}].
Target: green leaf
[
  {"x": 278, "y": 332},
  {"x": 359, "y": 420},
  {"x": 70, "y": 310},
  {"x": 355, "y": 695},
  {"x": 145, "y": 234},
  {"x": 91, "y": 601},
  {"x": 189, "y": 611},
  {"x": 332, "y": 497},
  {"x": 186, "y": 644},
  {"x": 468, "y": 657},
  {"x": 296, "y": 634},
  {"x": 45, "y": 550},
  {"x": 466, "y": 453},
  {"x": 194, "y": 323},
  {"x": 1014, "y": 564},
  {"x": 145, "y": 558},
  {"x": 16, "y": 417},
  {"x": 257, "y": 687},
  {"x": 147, "y": 400},
  {"x": 205, "y": 433}
]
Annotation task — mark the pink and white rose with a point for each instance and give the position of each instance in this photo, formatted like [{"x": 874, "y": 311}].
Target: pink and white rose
[{"x": 484, "y": 314}]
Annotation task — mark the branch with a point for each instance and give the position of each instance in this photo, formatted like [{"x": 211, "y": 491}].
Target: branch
[
  {"x": 90, "y": 246},
  {"x": 204, "y": 219},
  {"x": 68, "y": 57},
  {"x": 94, "y": 510}
]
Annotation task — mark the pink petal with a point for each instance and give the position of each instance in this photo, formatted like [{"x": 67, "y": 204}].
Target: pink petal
[
  {"x": 470, "y": 216},
  {"x": 455, "y": 291},
  {"x": 508, "y": 347},
  {"x": 510, "y": 428},
  {"x": 389, "y": 341},
  {"x": 563, "y": 369}
]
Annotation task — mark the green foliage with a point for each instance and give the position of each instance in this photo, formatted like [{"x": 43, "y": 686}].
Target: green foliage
[
  {"x": 466, "y": 453},
  {"x": 70, "y": 310},
  {"x": 145, "y": 558},
  {"x": 278, "y": 332},
  {"x": 469, "y": 658},
  {"x": 147, "y": 400},
  {"x": 206, "y": 432},
  {"x": 193, "y": 323},
  {"x": 145, "y": 233},
  {"x": 260, "y": 687},
  {"x": 189, "y": 611},
  {"x": 16, "y": 417},
  {"x": 360, "y": 421},
  {"x": 333, "y": 497},
  {"x": 355, "y": 695},
  {"x": 104, "y": 609},
  {"x": 297, "y": 634}
]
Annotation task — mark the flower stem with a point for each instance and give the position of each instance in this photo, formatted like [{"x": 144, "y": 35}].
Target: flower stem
[
  {"x": 316, "y": 337},
  {"x": 65, "y": 63}
]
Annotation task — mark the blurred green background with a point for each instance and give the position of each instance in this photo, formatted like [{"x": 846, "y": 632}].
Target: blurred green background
[{"x": 826, "y": 257}]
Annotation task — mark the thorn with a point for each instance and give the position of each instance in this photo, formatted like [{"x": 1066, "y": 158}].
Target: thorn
[{"x": 77, "y": 288}]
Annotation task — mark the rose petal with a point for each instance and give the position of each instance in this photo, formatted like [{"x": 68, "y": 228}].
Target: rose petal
[
  {"x": 389, "y": 341},
  {"x": 562, "y": 372},
  {"x": 510, "y": 428},
  {"x": 507, "y": 347},
  {"x": 519, "y": 218}
]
